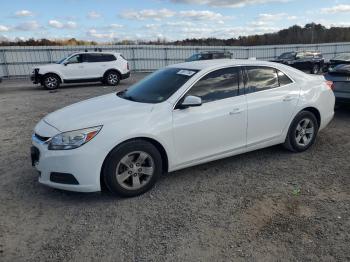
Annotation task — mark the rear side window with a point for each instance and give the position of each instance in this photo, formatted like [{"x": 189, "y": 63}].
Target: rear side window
[
  {"x": 220, "y": 84},
  {"x": 108, "y": 58},
  {"x": 206, "y": 56},
  {"x": 261, "y": 78},
  {"x": 95, "y": 58},
  {"x": 218, "y": 55},
  {"x": 283, "y": 79}
]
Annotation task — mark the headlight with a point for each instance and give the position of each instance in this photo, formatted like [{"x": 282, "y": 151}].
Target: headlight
[{"x": 73, "y": 139}]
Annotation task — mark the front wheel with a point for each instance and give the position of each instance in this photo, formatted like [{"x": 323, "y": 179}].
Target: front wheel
[
  {"x": 132, "y": 168},
  {"x": 302, "y": 132},
  {"x": 51, "y": 82}
]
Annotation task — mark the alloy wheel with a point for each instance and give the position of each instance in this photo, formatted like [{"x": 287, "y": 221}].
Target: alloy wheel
[
  {"x": 304, "y": 132},
  {"x": 51, "y": 82},
  {"x": 113, "y": 79},
  {"x": 135, "y": 170}
]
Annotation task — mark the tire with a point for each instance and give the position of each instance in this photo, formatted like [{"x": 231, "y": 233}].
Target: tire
[
  {"x": 315, "y": 69},
  {"x": 51, "y": 81},
  {"x": 302, "y": 132},
  {"x": 112, "y": 78},
  {"x": 132, "y": 168}
]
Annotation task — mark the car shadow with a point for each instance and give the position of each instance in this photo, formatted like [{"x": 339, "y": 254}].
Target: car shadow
[{"x": 11, "y": 86}]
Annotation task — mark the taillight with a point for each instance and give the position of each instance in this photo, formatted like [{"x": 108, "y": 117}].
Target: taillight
[{"x": 330, "y": 84}]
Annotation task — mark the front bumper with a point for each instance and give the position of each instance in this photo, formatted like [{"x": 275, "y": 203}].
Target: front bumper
[
  {"x": 36, "y": 77},
  {"x": 80, "y": 166}
]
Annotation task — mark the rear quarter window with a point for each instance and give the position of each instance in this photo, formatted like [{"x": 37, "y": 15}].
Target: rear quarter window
[{"x": 283, "y": 79}]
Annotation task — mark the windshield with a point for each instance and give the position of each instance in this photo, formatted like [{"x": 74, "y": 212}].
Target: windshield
[
  {"x": 342, "y": 57},
  {"x": 61, "y": 61},
  {"x": 158, "y": 86},
  {"x": 287, "y": 56},
  {"x": 194, "y": 57}
]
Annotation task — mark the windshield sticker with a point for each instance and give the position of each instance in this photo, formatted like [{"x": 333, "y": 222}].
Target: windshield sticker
[{"x": 186, "y": 72}]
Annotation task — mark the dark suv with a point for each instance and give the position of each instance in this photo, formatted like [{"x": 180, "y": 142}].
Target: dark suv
[
  {"x": 311, "y": 61},
  {"x": 208, "y": 55}
]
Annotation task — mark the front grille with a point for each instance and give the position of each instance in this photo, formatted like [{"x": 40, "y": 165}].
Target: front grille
[{"x": 41, "y": 138}]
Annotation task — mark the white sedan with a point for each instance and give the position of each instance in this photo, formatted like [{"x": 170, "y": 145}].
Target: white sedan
[{"x": 180, "y": 116}]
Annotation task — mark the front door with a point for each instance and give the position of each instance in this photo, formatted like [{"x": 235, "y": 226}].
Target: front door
[
  {"x": 216, "y": 127},
  {"x": 73, "y": 68}
]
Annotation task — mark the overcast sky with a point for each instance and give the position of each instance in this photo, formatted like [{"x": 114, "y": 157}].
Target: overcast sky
[{"x": 109, "y": 20}]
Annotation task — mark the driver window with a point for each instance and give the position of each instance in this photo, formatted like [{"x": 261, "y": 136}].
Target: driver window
[
  {"x": 219, "y": 84},
  {"x": 74, "y": 59}
]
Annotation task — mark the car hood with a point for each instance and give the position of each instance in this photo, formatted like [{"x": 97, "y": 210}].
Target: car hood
[
  {"x": 279, "y": 60},
  {"x": 45, "y": 65},
  {"x": 96, "y": 111}
]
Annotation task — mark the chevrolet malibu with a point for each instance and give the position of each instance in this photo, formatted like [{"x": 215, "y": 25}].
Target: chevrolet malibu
[{"x": 179, "y": 116}]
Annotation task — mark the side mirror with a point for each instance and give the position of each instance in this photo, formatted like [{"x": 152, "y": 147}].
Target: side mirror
[
  {"x": 65, "y": 63},
  {"x": 190, "y": 101}
]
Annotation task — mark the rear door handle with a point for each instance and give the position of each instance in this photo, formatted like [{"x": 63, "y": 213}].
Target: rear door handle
[{"x": 236, "y": 111}]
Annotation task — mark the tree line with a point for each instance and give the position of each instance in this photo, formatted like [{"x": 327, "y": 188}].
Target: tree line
[
  {"x": 309, "y": 34},
  {"x": 46, "y": 42}
]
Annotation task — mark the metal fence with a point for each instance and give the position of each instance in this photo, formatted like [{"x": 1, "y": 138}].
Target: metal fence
[{"x": 16, "y": 61}]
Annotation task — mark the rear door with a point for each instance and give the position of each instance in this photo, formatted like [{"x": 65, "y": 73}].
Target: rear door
[
  {"x": 97, "y": 64},
  {"x": 271, "y": 98}
]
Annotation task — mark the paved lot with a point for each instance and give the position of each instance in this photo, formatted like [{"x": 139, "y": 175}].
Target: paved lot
[{"x": 268, "y": 205}]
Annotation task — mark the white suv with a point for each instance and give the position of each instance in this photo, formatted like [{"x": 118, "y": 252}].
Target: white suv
[{"x": 108, "y": 67}]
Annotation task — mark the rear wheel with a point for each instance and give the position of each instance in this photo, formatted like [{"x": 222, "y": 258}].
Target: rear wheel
[
  {"x": 315, "y": 69},
  {"x": 132, "y": 168},
  {"x": 51, "y": 81},
  {"x": 112, "y": 78},
  {"x": 302, "y": 132}
]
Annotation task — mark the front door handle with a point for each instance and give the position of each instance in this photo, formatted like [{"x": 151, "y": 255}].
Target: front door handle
[{"x": 236, "y": 111}]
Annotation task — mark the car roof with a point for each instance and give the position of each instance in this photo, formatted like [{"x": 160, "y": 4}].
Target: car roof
[
  {"x": 214, "y": 63},
  {"x": 213, "y": 52},
  {"x": 208, "y": 65},
  {"x": 97, "y": 52},
  {"x": 309, "y": 51}
]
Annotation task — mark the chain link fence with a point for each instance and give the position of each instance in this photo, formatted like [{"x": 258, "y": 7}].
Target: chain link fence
[{"x": 17, "y": 61}]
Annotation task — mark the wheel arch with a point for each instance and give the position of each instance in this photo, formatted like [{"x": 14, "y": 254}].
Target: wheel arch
[
  {"x": 52, "y": 73},
  {"x": 316, "y": 112},
  {"x": 157, "y": 144},
  {"x": 112, "y": 70}
]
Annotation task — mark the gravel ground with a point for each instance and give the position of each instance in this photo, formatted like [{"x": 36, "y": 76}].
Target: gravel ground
[{"x": 267, "y": 205}]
